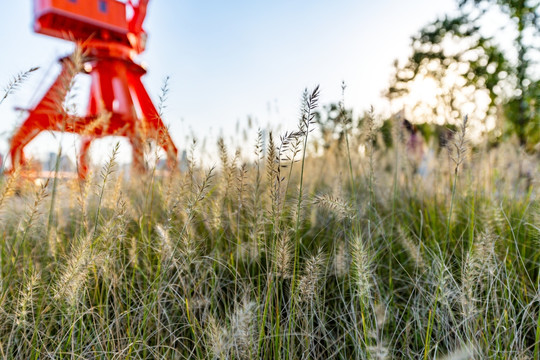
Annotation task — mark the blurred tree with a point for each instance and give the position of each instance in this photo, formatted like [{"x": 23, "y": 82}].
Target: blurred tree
[
  {"x": 455, "y": 70},
  {"x": 333, "y": 121},
  {"x": 336, "y": 122},
  {"x": 522, "y": 108}
]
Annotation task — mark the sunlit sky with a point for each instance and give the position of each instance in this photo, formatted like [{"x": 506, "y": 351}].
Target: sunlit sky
[{"x": 228, "y": 60}]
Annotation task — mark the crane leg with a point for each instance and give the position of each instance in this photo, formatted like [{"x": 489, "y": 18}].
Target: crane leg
[
  {"x": 137, "y": 145},
  {"x": 47, "y": 115},
  {"x": 26, "y": 133},
  {"x": 83, "y": 165},
  {"x": 156, "y": 129}
]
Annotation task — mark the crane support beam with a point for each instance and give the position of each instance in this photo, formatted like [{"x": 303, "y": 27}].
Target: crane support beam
[{"x": 119, "y": 104}]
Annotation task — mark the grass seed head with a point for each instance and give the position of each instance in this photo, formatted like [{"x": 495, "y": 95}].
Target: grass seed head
[
  {"x": 216, "y": 336},
  {"x": 342, "y": 260},
  {"x": 283, "y": 254},
  {"x": 361, "y": 268},
  {"x": 308, "y": 282},
  {"x": 26, "y": 299},
  {"x": 243, "y": 329}
]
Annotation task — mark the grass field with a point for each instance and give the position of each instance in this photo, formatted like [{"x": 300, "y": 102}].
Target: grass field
[{"x": 349, "y": 253}]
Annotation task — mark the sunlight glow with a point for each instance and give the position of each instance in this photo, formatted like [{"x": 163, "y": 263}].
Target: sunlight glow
[{"x": 446, "y": 101}]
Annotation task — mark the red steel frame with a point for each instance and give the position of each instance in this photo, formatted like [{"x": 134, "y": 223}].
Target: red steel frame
[{"x": 119, "y": 104}]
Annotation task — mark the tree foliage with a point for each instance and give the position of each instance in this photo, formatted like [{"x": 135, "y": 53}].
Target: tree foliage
[
  {"x": 521, "y": 109},
  {"x": 470, "y": 74}
]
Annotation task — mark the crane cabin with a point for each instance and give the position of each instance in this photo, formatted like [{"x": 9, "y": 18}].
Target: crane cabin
[{"x": 85, "y": 19}]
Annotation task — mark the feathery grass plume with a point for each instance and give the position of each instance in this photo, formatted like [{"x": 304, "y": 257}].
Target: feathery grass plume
[
  {"x": 313, "y": 270},
  {"x": 243, "y": 329},
  {"x": 191, "y": 164},
  {"x": 310, "y": 103},
  {"x": 241, "y": 188},
  {"x": 212, "y": 218},
  {"x": 216, "y": 337},
  {"x": 283, "y": 254},
  {"x": 342, "y": 259},
  {"x": 113, "y": 231},
  {"x": 64, "y": 100},
  {"x": 162, "y": 99},
  {"x": 464, "y": 352},
  {"x": 398, "y": 142},
  {"x": 256, "y": 187},
  {"x": 361, "y": 266},
  {"x": 259, "y": 149},
  {"x": 380, "y": 312},
  {"x": 133, "y": 253},
  {"x": 9, "y": 186},
  {"x": 74, "y": 274},
  {"x": 172, "y": 194},
  {"x": 482, "y": 258},
  {"x": 458, "y": 147},
  {"x": 346, "y": 123},
  {"x": 290, "y": 147},
  {"x": 442, "y": 296},
  {"x": 16, "y": 82},
  {"x": 378, "y": 352},
  {"x": 33, "y": 211},
  {"x": 534, "y": 223},
  {"x": 189, "y": 249},
  {"x": 82, "y": 199},
  {"x": 105, "y": 174},
  {"x": 412, "y": 249},
  {"x": 167, "y": 247},
  {"x": 491, "y": 216},
  {"x": 200, "y": 192},
  {"x": 478, "y": 267},
  {"x": 335, "y": 205},
  {"x": 293, "y": 213},
  {"x": 233, "y": 166},
  {"x": 379, "y": 349},
  {"x": 116, "y": 195},
  {"x": 370, "y": 133},
  {"x": 285, "y": 158},
  {"x": 108, "y": 168},
  {"x": 53, "y": 242},
  {"x": 226, "y": 165},
  {"x": 26, "y": 299},
  {"x": 241, "y": 179},
  {"x": 457, "y": 150},
  {"x": 273, "y": 173},
  {"x": 446, "y": 287},
  {"x": 248, "y": 251}
]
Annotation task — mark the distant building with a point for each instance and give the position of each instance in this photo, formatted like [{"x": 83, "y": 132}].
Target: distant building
[
  {"x": 65, "y": 164},
  {"x": 184, "y": 161}
]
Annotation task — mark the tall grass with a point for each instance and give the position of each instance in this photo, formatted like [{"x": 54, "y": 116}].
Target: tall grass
[{"x": 346, "y": 255}]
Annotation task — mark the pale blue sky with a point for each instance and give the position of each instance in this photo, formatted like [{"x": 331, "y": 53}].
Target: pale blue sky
[{"x": 228, "y": 60}]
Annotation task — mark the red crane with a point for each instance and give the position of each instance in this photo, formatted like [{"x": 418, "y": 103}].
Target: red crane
[{"x": 107, "y": 42}]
